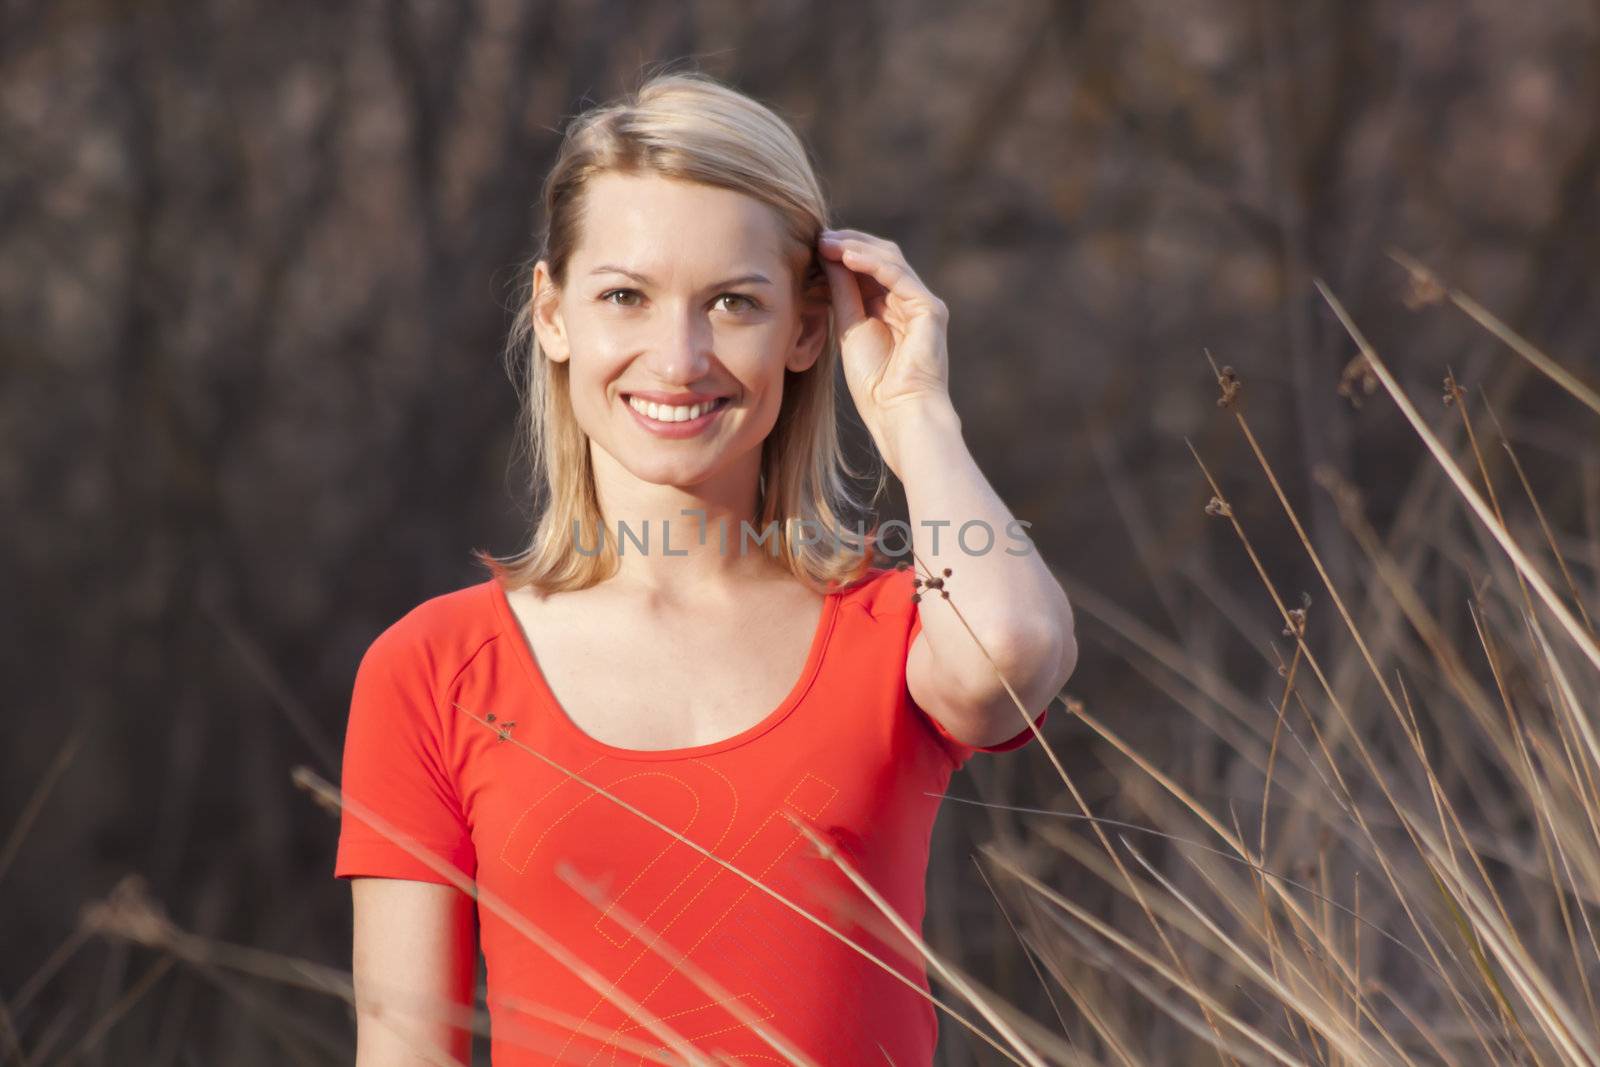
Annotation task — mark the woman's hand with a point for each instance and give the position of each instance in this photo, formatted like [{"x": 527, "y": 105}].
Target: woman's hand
[{"x": 891, "y": 333}]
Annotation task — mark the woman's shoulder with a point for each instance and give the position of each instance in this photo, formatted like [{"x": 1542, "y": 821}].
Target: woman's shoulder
[
  {"x": 882, "y": 590},
  {"x": 443, "y": 629}
]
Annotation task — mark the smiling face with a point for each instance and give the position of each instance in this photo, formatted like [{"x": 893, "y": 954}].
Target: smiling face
[{"x": 680, "y": 295}]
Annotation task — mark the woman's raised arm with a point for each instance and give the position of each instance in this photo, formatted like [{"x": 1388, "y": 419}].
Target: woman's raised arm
[{"x": 415, "y": 954}]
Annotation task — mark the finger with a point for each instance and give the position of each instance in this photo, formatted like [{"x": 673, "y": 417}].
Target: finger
[
  {"x": 873, "y": 293},
  {"x": 882, "y": 245},
  {"x": 860, "y": 235},
  {"x": 845, "y": 296},
  {"x": 886, "y": 251},
  {"x": 889, "y": 271}
]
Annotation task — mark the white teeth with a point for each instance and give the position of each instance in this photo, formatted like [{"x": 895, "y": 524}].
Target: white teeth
[{"x": 665, "y": 413}]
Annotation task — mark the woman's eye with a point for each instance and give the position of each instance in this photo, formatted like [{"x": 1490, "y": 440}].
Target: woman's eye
[
  {"x": 749, "y": 303},
  {"x": 609, "y": 293}
]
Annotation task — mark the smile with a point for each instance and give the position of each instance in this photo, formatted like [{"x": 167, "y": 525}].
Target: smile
[
  {"x": 668, "y": 413},
  {"x": 665, "y": 420}
]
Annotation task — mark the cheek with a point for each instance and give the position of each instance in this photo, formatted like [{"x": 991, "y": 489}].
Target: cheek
[
  {"x": 758, "y": 356},
  {"x": 595, "y": 359}
]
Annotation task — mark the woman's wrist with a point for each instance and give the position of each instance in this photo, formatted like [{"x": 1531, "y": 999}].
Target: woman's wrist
[{"x": 918, "y": 428}]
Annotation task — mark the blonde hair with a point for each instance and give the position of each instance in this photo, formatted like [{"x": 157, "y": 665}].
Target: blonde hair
[{"x": 688, "y": 126}]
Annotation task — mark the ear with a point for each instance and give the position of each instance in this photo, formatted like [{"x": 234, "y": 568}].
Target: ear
[
  {"x": 815, "y": 316},
  {"x": 548, "y": 324}
]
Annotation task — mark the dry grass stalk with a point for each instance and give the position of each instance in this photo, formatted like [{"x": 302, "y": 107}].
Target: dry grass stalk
[{"x": 1428, "y": 288}]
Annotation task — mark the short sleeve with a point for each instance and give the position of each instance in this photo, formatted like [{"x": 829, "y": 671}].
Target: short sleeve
[
  {"x": 960, "y": 751},
  {"x": 394, "y": 766}
]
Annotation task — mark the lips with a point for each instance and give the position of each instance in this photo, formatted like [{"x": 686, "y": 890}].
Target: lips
[
  {"x": 658, "y": 411},
  {"x": 676, "y": 429}
]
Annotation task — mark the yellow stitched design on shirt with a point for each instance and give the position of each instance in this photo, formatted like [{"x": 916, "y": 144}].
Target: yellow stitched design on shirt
[{"x": 760, "y": 852}]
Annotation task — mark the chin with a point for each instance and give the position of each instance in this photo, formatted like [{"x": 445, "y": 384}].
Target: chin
[{"x": 650, "y": 470}]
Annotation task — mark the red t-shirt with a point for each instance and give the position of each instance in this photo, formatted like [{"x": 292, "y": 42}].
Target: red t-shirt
[{"x": 848, "y": 751}]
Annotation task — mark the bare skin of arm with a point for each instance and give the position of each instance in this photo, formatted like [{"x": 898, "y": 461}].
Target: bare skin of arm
[{"x": 415, "y": 954}]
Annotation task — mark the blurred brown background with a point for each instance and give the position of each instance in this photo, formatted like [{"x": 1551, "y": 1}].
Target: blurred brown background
[{"x": 254, "y": 266}]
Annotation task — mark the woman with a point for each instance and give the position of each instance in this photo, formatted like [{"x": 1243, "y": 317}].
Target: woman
[{"x": 693, "y": 634}]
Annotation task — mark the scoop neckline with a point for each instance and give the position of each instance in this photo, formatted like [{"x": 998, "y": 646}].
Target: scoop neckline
[{"x": 522, "y": 652}]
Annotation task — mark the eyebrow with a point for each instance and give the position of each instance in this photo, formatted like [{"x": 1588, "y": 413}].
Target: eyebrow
[{"x": 752, "y": 278}]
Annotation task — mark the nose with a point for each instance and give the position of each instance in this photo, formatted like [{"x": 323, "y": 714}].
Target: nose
[{"x": 680, "y": 352}]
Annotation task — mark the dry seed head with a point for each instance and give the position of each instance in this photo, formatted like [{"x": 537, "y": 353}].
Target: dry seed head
[
  {"x": 936, "y": 582},
  {"x": 127, "y": 911},
  {"x": 1357, "y": 373},
  {"x": 1218, "y": 506},
  {"x": 1424, "y": 289},
  {"x": 1452, "y": 391},
  {"x": 1230, "y": 384},
  {"x": 1297, "y": 619}
]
